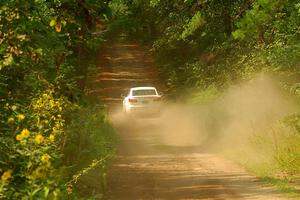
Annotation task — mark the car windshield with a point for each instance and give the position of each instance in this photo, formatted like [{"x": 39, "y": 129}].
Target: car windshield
[{"x": 143, "y": 92}]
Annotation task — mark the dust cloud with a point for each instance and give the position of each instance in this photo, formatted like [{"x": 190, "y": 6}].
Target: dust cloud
[
  {"x": 230, "y": 122},
  {"x": 245, "y": 113}
]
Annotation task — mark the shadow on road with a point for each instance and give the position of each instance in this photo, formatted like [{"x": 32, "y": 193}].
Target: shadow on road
[{"x": 162, "y": 158}]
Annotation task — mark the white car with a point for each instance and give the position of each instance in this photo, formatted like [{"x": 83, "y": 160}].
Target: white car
[{"x": 142, "y": 100}]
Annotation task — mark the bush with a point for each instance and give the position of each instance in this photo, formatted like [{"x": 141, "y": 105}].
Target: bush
[
  {"x": 88, "y": 130},
  {"x": 286, "y": 146},
  {"x": 31, "y": 143},
  {"x": 48, "y": 143},
  {"x": 90, "y": 144}
]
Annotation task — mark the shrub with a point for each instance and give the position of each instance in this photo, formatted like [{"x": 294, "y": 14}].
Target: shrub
[
  {"x": 47, "y": 146},
  {"x": 31, "y": 141},
  {"x": 89, "y": 145}
]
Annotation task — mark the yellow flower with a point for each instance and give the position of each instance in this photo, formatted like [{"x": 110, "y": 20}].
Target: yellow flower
[
  {"x": 51, "y": 102},
  {"x": 51, "y": 137},
  {"x": 39, "y": 139},
  {"x": 45, "y": 158},
  {"x": 6, "y": 175},
  {"x": 52, "y": 22},
  {"x": 25, "y": 133},
  {"x": 20, "y": 117},
  {"x": 59, "y": 116},
  {"x": 19, "y": 137}
]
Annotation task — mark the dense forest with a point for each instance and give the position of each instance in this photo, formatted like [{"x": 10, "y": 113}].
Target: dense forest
[
  {"x": 209, "y": 42},
  {"x": 48, "y": 47}
]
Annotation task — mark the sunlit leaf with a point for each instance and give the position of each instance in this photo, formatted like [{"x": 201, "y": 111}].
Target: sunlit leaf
[
  {"x": 64, "y": 23},
  {"x": 52, "y": 22},
  {"x": 196, "y": 22},
  {"x": 39, "y": 51}
]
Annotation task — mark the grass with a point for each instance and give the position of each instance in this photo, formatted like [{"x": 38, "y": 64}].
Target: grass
[
  {"x": 284, "y": 186},
  {"x": 92, "y": 144},
  {"x": 270, "y": 152}
]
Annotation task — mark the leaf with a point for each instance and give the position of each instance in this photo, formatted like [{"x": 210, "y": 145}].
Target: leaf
[
  {"x": 195, "y": 22},
  {"x": 154, "y": 3},
  {"x": 238, "y": 34},
  {"x": 64, "y": 23},
  {"x": 39, "y": 51},
  {"x": 46, "y": 192},
  {"x": 52, "y": 22},
  {"x": 35, "y": 191}
]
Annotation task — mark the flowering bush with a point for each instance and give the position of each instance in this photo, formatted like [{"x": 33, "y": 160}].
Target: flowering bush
[
  {"x": 44, "y": 153},
  {"x": 42, "y": 63},
  {"x": 29, "y": 157}
]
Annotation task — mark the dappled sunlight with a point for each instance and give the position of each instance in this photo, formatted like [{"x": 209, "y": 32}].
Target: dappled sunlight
[
  {"x": 121, "y": 74},
  {"x": 172, "y": 155},
  {"x": 123, "y": 80},
  {"x": 128, "y": 45},
  {"x": 171, "y": 176},
  {"x": 119, "y": 70},
  {"x": 149, "y": 100}
]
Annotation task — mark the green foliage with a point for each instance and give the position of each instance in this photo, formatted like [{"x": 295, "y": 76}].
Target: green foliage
[
  {"x": 287, "y": 151},
  {"x": 154, "y": 3},
  {"x": 283, "y": 186},
  {"x": 31, "y": 142},
  {"x": 203, "y": 34},
  {"x": 119, "y": 9},
  {"x": 195, "y": 23},
  {"x": 210, "y": 94},
  {"x": 89, "y": 136},
  {"x": 257, "y": 18},
  {"x": 90, "y": 144},
  {"x": 43, "y": 47},
  {"x": 279, "y": 145},
  {"x": 39, "y": 153}
]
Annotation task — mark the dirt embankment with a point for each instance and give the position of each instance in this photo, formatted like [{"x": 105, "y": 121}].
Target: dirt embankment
[{"x": 162, "y": 158}]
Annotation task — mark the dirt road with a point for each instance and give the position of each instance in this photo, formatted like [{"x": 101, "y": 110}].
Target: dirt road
[{"x": 147, "y": 167}]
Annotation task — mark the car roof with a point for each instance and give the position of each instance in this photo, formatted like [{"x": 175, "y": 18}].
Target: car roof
[{"x": 143, "y": 88}]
